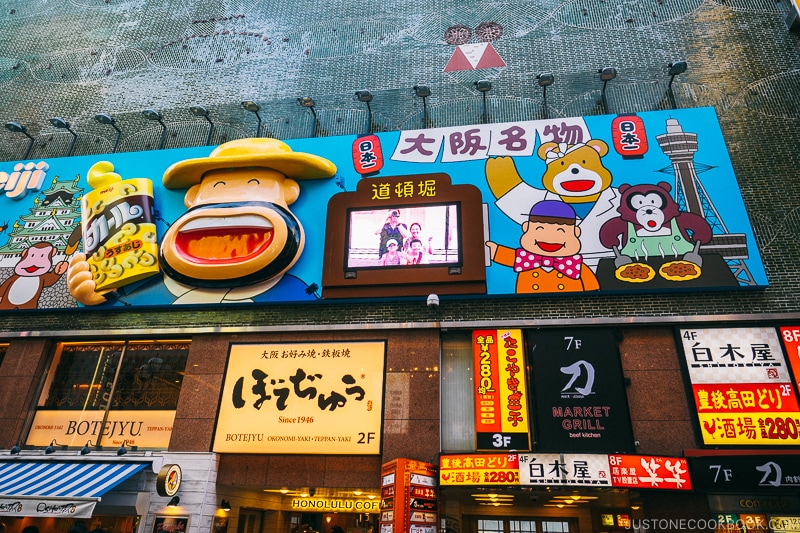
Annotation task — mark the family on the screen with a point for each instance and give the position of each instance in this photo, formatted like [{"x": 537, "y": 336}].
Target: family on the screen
[{"x": 401, "y": 244}]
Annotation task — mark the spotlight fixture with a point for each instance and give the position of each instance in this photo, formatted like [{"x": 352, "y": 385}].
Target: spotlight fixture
[
  {"x": 545, "y": 80},
  {"x": 103, "y": 118},
  {"x": 14, "y": 450},
  {"x": 122, "y": 449},
  {"x": 62, "y": 124},
  {"x": 51, "y": 447},
  {"x": 423, "y": 91},
  {"x": 174, "y": 501},
  {"x": 225, "y": 505},
  {"x": 677, "y": 67},
  {"x": 484, "y": 86},
  {"x": 253, "y": 107},
  {"x": 365, "y": 96},
  {"x": 606, "y": 74},
  {"x": 152, "y": 114},
  {"x": 308, "y": 102},
  {"x": 16, "y": 127},
  {"x": 86, "y": 450},
  {"x": 673, "y": 69},
  {"x": 200, "y": 111}
]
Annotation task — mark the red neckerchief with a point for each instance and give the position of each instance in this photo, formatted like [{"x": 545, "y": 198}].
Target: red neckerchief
[{"x": 569, "y": 266}]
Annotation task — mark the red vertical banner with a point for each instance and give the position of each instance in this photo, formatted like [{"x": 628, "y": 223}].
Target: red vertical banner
[
  {"x": 389, "y": 495},
  {"x": 501, "y": 405},
  {"x": 422, "y": 497},
  {"x": 487, "y": 387},
  {"x": 409, "y": 497},
  {"x": 791, "y": 343}
]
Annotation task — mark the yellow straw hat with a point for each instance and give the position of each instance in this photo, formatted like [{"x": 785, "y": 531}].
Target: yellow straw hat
[{"x": 256, "y": 152}]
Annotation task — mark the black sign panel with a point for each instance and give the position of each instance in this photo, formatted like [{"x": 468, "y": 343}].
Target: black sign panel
[
  {"x": 745, "y": 473},
  {"x": 579, "y": 392}
]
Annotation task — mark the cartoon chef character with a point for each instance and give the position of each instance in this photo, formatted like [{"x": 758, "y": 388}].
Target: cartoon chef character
[{"x": 238, "y": 237}]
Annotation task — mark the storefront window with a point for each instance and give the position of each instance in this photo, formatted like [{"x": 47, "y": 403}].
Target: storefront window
[
  {"x": 458, "y": 401},
  {"x": 522, "y": 526},
  {"x": 110, "y": 393},
  {"x": 555, "y": 526},
  {"x": 490, "y": 526},
  {"x": 532, "y": 525},
  {"x": 150, "y": 376}
]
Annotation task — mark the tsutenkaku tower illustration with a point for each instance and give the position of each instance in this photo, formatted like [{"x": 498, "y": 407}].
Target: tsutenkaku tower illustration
[{"x": 691, "y": 196}]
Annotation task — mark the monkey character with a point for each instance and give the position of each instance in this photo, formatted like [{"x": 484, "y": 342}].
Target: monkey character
[{"x": 31, "y": 274}]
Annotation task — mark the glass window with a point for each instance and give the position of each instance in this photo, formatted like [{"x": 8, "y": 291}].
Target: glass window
[
  {"x": 522, "y": 526},
  {"x": 458, "y": 400},
  {"x": 525, "y": 525},
  {"x": 110, "y": 394},
  {"x": 139, "y": 375},
  {"x": 490, "y": 526}
]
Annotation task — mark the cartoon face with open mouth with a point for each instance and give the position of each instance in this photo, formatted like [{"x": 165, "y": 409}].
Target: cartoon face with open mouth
[
  {"x": 551, "y": 238},
  {"x": 649, "y": 210},
  {"x": 237, "y": 231},
  {"x": 578, "y": 181}
]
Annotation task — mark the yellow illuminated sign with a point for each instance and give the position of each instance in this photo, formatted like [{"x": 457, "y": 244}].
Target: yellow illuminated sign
[
  {"x": 302, "y": 398},
  {"x": 333, "y": 505},
  {"x": 145, "y": 429}
]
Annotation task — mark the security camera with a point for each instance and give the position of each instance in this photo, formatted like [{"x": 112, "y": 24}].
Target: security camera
[
  {"x": 433, "y": 300},
  {"x": 312, "y": 491}
]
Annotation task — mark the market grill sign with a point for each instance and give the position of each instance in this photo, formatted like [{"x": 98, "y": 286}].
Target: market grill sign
[
  {"x": 578, "y": 391},
  {"x": 302, "y": 398}
]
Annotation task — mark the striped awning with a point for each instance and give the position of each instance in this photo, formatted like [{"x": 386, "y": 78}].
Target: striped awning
[{"x": 50, "y": 488}]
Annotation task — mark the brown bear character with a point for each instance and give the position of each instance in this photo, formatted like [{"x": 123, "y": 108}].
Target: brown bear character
[
  {"x": 650, "y": 224},
  {"x": 575, "y": 175}
]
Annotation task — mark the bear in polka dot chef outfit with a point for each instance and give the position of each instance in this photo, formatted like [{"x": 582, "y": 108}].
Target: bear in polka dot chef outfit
[{"x": 548, "y": 259}]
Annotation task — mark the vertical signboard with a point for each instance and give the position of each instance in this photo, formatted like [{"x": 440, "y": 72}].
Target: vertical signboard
[
  {"x": 409, "y": 497},
  {"x": 501, "y": 413},
  {"x": 388, "y": 494},
  {"x": 741, "y": 386},
  {"x": 580, "y": 400},
  {"x": 790, "y": 335}
]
